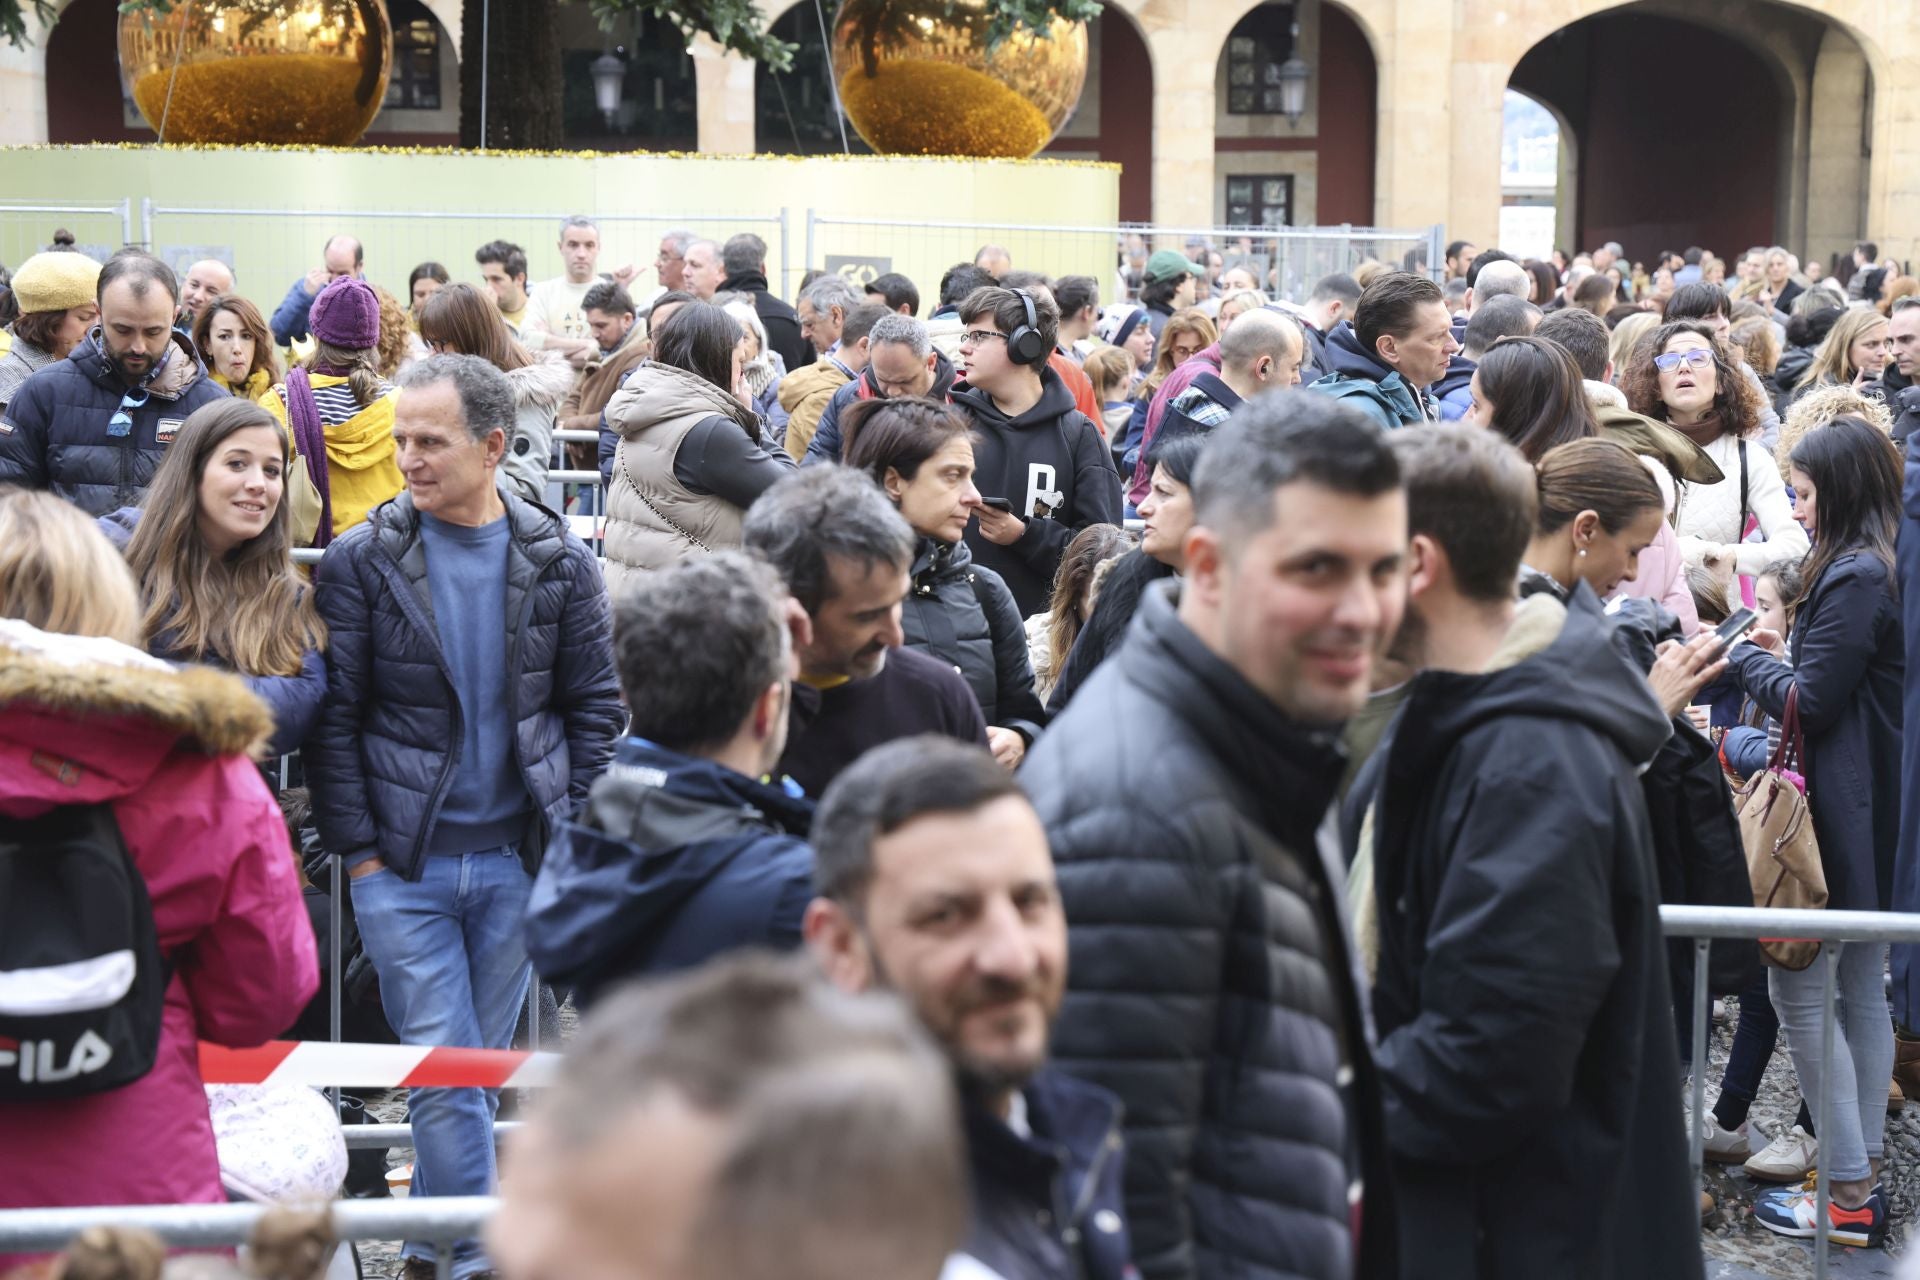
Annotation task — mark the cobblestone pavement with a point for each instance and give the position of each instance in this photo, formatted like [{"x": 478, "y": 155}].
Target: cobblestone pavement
[{"x": 1737, "y": 1247}]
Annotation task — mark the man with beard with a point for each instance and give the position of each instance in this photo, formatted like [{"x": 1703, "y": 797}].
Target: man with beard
[
  {"x": 92, "y": 428},
  {"x": 1183, "y": 793},
  {"x": 935, "y": 882},
  {"x": 845, "y": 554}
]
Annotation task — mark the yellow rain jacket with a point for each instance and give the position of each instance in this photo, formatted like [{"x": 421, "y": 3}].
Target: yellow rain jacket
[{"x": 361, "y": 472}]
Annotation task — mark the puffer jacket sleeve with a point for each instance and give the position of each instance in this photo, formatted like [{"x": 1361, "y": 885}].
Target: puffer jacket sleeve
[
  {"x": 1520, "y": 954},
  {"x": 253, "y": 969},
  {"x": 1015, "y": 701},
  {"x": 23, "y": 437},
  {"x": 295, "y": 701},
  {"x": 1782, "y": 537},
  {"x": 1151, "y": 906},
  {"x": 1746, "y": 749},
  {"x": 586, "y": 691},
  {"x": 336, "y": 770}
]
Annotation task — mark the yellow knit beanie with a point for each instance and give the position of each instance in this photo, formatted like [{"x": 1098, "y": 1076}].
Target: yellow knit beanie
[{"x": 55, "y": 281}]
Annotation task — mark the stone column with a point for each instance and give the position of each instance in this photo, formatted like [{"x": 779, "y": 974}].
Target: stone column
[
  {"x": 1836, "y": 165},
  {"x": 23, "y": 87},
  {"x": 723, "y": 85},
  {"x": 1185, "y": 38},
  {"x": 1416, "y": 162}
]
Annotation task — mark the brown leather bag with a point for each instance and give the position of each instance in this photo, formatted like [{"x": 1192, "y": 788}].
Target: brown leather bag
[{"x": 1783, "y": 856}]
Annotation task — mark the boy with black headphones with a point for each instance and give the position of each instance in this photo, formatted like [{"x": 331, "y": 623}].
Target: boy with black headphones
[{"x": 1039, "y": 463}]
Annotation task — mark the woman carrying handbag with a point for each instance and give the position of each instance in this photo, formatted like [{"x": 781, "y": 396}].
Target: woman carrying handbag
[{"x": 1844, "y": 689}]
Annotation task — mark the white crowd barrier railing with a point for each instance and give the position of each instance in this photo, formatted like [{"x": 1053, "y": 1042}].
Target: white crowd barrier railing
[
  {"x": 99, "y": 230},
  {"x": 442, "y": 1221}
]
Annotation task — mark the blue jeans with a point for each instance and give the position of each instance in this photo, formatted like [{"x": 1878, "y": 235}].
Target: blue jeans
[{"x": 453, "y": 972}]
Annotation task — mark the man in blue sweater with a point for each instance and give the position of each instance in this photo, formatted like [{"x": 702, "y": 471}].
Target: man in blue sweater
[
  {"x": 471, "y": 702},
  {"x": 339, "y": 256}
]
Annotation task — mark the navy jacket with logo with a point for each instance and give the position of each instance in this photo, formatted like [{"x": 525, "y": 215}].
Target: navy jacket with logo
[{"x": 54, "y": 433}]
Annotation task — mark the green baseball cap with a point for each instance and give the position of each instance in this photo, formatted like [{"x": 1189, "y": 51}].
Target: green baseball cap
[{"x": 1168, "y": 263}]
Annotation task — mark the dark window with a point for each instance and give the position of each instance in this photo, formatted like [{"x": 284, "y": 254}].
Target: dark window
[
  {"x": 1260, "y": 200},
  {"x": 1259, "y": 44},
  {"x": 415, "y": 82},
  {"x": 794, "y": 112}
]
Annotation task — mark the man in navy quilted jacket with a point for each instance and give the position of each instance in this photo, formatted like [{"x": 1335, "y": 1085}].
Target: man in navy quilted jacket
[{"x": 471, "y": 702}]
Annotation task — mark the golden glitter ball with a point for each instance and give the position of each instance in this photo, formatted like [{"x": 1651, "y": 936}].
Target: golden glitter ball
[
  {"x": 916, "y": 79},
  {"x": 286, "y": 71}
]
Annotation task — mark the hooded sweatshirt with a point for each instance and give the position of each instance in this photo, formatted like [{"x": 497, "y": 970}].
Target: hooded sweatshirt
[
  {"x": 539, "y": 389},
  {"x": 1370, "y": 384},
  {"x": 673, "y": 860},
  {"x": 361, "y": 471},
  {"x": 1052, "y": 464}
]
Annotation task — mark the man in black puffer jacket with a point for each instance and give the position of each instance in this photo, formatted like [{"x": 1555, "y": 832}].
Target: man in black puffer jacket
[
  {"x": 1211, "y": 984},
  {"x": 93, "y": 428},
  {"x": 471, "y": 702}
]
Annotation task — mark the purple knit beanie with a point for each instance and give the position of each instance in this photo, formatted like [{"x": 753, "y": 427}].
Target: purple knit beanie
[{"x": 346, "y": 315}]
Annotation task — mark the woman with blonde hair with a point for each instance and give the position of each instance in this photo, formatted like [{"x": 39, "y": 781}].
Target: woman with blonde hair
[
  {"x": 462, "y": 320},
  {"x": 399, "y": 345},
  {"x": 1820, "y": 406},
  {"x": 157, "y": 760},
  {"x": 1853, "y": 353},
  {"x": 1237, "y": 304},
  {"x": 232, "y": 337},
  {"x": 1759, "y": 344},
  {"x": 211, "y": 550},
  {"x": 1111, "y": 371},
  {"x": 1188, "y": 334},
  {"x": 339, "y": 411},
  {"x": 1626, "y": 336}
]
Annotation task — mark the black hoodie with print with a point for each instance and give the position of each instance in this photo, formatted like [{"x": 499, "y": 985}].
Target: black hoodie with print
[{"x": 1053, "y": 466}]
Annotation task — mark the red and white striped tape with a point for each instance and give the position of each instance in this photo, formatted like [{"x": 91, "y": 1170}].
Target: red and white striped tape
[{"x": 376, "y": 1066}]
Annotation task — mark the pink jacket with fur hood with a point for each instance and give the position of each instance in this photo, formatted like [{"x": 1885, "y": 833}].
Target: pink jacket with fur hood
[{"x": 85, "y": 720}]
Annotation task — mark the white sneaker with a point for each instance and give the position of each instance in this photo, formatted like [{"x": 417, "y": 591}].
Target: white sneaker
[
  {"x": 1726, "y": 1146},
  {"x": 1787, "y": 1158}
]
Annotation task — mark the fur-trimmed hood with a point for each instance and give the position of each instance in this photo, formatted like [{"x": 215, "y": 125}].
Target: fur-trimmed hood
[{"x": 86, "y": 680}]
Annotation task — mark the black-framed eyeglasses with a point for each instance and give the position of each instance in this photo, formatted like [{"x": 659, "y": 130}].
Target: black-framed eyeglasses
[
  {"x": 121, "y": 423},
  {"x": 974, "y": 337},
  {"x": 1668, "y": 361}
]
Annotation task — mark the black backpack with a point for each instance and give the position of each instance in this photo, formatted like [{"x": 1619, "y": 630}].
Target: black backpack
[{"x": 82, "y": 984}]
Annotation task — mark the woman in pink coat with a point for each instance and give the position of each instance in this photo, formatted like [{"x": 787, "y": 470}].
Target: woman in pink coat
[{"x": 86, "y": 717}]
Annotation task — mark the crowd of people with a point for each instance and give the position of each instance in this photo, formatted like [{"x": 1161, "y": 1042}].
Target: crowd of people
[{"x": 1174, "y": 788}]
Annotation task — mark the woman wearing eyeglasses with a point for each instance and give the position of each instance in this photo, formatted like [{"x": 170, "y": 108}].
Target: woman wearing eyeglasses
[{"x": 1682, "y": 376}]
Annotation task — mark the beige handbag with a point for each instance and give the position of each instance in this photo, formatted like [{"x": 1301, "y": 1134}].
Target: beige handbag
[
  {"x": 303, "y": 502},
  {"x": 1783, "y": 856}
]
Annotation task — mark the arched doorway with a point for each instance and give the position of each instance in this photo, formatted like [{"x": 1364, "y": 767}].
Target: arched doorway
[
  {"x": 1112, "y": 122},
  {"x": 86, "y": 101},
  {"x": 1649, "y": 92},
  {"x": 1313, "y": 168},
  {"x": 1539, "y": 168}
]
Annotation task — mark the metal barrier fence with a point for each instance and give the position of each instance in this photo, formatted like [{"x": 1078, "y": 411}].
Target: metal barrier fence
[
  {"x": 442, "y": 1221},
  {"x": 439, "y": 1221},
  {"x": 271, "y": 248},
  {"x": 1287, "y": 260},
  {"x": 98, "y": 229}
]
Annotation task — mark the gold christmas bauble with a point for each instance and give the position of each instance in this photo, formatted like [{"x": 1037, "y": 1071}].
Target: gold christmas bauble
[
  {"x": 286, "y": 71},
  {"x": 916, "y": 79}
]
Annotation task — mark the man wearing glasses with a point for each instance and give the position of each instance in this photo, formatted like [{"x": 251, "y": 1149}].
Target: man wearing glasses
[
  {"x": 92, "y": 428},
  {"x": 1042, "y": 468}
]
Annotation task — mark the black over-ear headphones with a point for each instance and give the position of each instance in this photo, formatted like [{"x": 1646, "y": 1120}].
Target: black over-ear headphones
[{"x": 1024, "y": 344}]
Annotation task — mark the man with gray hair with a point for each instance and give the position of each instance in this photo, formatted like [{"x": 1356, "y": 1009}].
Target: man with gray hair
[
  {"x": 845, "y": 554},
  {"x": 670, "y": 264},
  {"x": 471, "y": 702},
  {"x": 556, "y": 315},
  {"x": 824, "y": 307},
  {"x": 702, "y": 271},
  {"x": 682, "y": 852},
  {"x": 902, "y": 361},
  {"x": 1498, "y": 279},
  {"x": 745, "y": 1121},
  {"x": 745, "y": 261}
]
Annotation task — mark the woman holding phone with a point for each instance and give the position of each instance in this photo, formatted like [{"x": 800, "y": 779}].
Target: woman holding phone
[{"x": 1848, "y": 661}]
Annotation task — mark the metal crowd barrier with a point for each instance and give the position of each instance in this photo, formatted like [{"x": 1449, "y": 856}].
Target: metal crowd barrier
[
  {"x": 439, "y": 1221},
  {"x": 444, "y": 1220},
  {"x": 1704, "y": 924}
]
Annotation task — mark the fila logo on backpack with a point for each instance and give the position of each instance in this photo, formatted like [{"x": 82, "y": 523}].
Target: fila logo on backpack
[{"x": 82, "y": 984}]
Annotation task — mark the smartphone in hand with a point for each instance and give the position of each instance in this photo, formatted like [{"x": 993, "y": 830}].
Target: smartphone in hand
[{"x": 1738, "y": 624}]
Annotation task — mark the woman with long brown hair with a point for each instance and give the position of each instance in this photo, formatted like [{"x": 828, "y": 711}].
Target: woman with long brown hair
[
  {"x": 464, "y": 321},
  {"x": 232, "y": 337},
  {"x": 211, "y": 552}
]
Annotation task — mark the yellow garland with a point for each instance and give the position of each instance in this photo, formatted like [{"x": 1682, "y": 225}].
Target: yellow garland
[{"x": 1036, "y": 161}]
